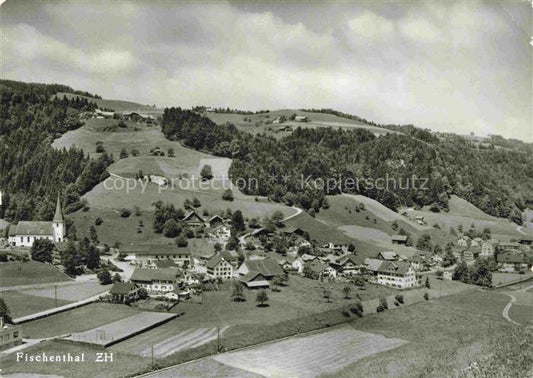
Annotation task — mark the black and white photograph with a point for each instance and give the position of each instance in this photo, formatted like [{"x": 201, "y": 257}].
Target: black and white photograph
[{"x": 253, "y": 188}]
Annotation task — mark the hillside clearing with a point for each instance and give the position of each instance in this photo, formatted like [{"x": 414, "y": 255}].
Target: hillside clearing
[{"x": 27, "y": 273}]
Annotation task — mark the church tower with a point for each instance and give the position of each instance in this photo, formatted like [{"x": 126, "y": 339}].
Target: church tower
[{"x": 58, "y": 224}]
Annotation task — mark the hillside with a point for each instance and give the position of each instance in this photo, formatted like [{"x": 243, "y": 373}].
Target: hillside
[{"x": 116, "y": 105}]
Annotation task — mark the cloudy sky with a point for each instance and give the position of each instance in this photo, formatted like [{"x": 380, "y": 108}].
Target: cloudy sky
[{"x": 459, "y": 66}]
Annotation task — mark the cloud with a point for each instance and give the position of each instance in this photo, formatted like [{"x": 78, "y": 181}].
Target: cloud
[
  {"x": 420, "y": 30},
  {"x": 370, "y": 26}
]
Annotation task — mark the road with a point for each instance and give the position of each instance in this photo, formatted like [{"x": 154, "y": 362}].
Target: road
[{"x": 510, "y": 304}]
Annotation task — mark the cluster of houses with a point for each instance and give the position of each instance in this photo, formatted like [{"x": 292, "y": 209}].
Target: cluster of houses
[
  {"x": 510, "y": 256},
  {"x": 134, "y": 116}
]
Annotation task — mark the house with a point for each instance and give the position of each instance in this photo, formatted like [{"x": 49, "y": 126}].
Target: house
[
  {"x": 10, "y": 335},
  {"x": 193, "y": 220},
  {"x": 162, "y": 264},
  {"x": 157, "y": 281},
  {"x": 296, "y": 263},
  {"x": 289, "y": 230},
  {"x": 337, "y": 246},
  {"x": 509, "y": 247},
  {"x": 215, "y": 221},
  {"x": 103, "y": 114},
  {"x": 267, "y": 267},
  {"x": 388, "y": 255},
  {"x": 24, "y": 233},
  {"x": 447, "y": 275},
  {"x": 218, "y": 267},
  {"x": 221, "y": 232},
  {"x": 476, "y": 242},
  {"x": 260, "y": 231},
  {"x": 300, "y": 118},
  {"x": 399, "y": 274},
  {"x": 457, "y": 252},
  {"x": 468, "y": 255},
  {"x": 282, "y": 128},
  {"x": 231, "y": 256},
  {"x": 308, "y": 258},
  {"x": 511, "y": 262},
  {"x": 177, "y": 294},
  {"x": 145, "y": 254},
  {"x": 420, "y": 219},
  {"x": 463, "y": 241},
  {"x": 526, "y": 240},
  {"x": 399, "y": 239},
  {"x": 322, "y": 270},
  {"x": 488, "y": 247},
  {"x": 122, "y": 292},
  {"x": 254, "y": 280},
  {"x": 349, "y": 264},
  {"x": 277, "y": 121}
]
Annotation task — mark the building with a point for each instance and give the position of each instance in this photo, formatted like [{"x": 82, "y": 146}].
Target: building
[
  {"x": 349, "y": 264},
  {"x": 10, "y": 335},
  {"x": 215, "y": 221},
  {"x": 463, "y": 241},
  {"x": 122, "y": 292},
  {"x": 267, "y": 267},
  {"x": 145, "y": 254},
  {"x": 399, "y": 239},
  {"x": 231, "y": 256},
  {"x": 157, "y": 281},
  {"x": 337, "y": 246},
  {"x": 254, "y": 280},
  {"x": 26, "y": 232},
  {"x": 193, "y": 220},
  {"x": 512, "y": 262},
  {"x": 420, "y": 219},
  {"x": 388, "y": 255},
  {"x": 295, "y": 262},
  {"x": 289, "y": 230},
  {"x": 488, "y": 247},
  {"x": 447, "y": 275},
  {"x": 509, "y": 247},
  {"x": 221, "y": 232},
  {"x": 162, "y": 264},
  {"x": 300, "y": 118},
  {"x": 218, "y": 267},
  {"x": 398, "y": 274}
]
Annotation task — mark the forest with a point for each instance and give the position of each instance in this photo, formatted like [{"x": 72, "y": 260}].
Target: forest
[
  {"x": 498, "y": 181},
  {"x": 32, "y": 173}
]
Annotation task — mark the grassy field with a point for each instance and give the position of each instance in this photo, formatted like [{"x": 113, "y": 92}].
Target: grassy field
[
  {"x": 117, "y": 105},
  {"x": 70, "y": 292},
  {"x": 21, "y": 304},
  {"x": 77, "y": 320},
  {"x": 27, "y": 273}
]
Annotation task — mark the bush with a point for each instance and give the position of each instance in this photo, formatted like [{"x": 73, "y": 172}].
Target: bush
[
  {"x": 125, "y": 213},
  {"x": 227, "y": 195},
  {"x": 396, "y": 303},
  {"x": 380, "y": 308},
  {"x": 399, "y": 298},
  {"x": 357, "y": 309},
  {"x": 383, "y": 303},
  {"x": 426, "y": 296},
  {"x": 98, "y": 221}
]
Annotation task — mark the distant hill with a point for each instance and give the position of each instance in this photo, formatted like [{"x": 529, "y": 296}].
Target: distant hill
[{"x": 116, "y": 105}]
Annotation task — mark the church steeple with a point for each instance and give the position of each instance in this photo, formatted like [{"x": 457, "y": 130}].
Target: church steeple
[{"x": 58, "y": 217}]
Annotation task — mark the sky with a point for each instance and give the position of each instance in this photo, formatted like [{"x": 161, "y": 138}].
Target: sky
[{"x": 458, "y": 66}]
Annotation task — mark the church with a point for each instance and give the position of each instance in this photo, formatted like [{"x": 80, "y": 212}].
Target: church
[{"x": 25, "y": 233}]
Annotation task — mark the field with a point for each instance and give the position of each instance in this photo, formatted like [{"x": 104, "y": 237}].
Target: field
[
  {"x": 76, "y": 320},
  {"x": 162, "y": 342},
  {"x": 28, "y": 273},
  {"x": 310, "y": 356},
  {"x": 116, "y": 105},
  {"x": 21, "y": 304},
  {"x": 69, "y": 292},
  {"x": 113, "y": 332}
]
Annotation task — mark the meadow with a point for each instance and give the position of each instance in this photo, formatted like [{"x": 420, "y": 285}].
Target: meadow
[
  {"x": 21, "y": 304},
  {"x": 73, "y": 293},
  {"x": 28, "y": 273}
]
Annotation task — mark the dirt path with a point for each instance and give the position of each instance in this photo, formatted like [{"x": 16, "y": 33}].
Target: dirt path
[{"x": 506, "y": 309}]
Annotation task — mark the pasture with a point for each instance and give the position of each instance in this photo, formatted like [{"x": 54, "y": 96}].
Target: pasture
[
  {"x": 22, "y": 304},
  {"x": 310, "y": 356},
  {"x": 77, "y": 320},
  {"x": 28, "y": 273},
  {"x": 72, "y": 293}
]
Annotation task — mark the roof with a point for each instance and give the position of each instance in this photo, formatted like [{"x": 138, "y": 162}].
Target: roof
[
  {"x": 34, "y": 228},
  {"x": 191, "y": 215},
  {"x": 267, "y": 267},
  {"x": 318, "y": 267},
  {"x": 511, "y": 258},
  {"x": 58, "y": 216},
  {"x": 399, "y": 237},
  {"x": 292, "y": 230},
  {"x": 260, "y": 231},
  {"x": 356, "y": 260},
  {"x": 510, "y": 244},
  {"x": 229, "y": 255},
  {"x": 252, "y": 276},
  {"x": 164, "y": 274},
  {"x": 122, "y": 288},
  {"x": 373, "y": 264},
  {"x": 388, "y": 255},
  {"x": 154, "y": 249},
  {"x": 397, "y": 267},
  {"x": 160, "y": 264},
  {"x": 216, "y": 217},
  {"x": 214, "y": 261}
]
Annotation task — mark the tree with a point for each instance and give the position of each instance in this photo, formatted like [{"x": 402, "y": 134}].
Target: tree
[
  {"x": 326, "y": 293},
  {"x": 325, "y": 203},
  {"x": 237, "y": 292},
  {"x": 461, "y": 272},
  {"x": 104, "y": 277},
  {"x": 399, "y": 298},
  {"x": 452, "y": 231},
  {"x": 123, "y": 153},
  {"x": 277, "y": 217},
  {"x": 277, "y": 282},
  {"x": 171, "y": 229},
  {"x": 93, "y": 257},
  {"x": 427, "y": 283},
  {"x": 237, "y": 221},
  {"x": 346, "y": 290},
  {"x": 93, "y": 235},
  {"x": 182, "y": 241},
  {"x": 424, "y": 242},
  {"x": 125, "y": 213},
  {"x": 41, "y": 250},
  {"x": 170, "y": 152},
  {"x": 142, "y": 293},
  {"x": 227, "y": 195},
  {"x": 206, "y": 172},
  {"x": 359, "y": 281},
  {"x": 196, "y": 202},
  {"x": 4, "y": 311},
  {"x": 117, "y": 278},
  {"x": 261, "y": 297},
  {"x": 426, "y": 296}
]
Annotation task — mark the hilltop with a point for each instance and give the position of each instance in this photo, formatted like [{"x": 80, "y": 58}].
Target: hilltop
[{"x": 116, "y": 105}]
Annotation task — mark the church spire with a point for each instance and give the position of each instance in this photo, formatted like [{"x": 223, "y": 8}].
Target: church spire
[{"x": 58, "y": 217}]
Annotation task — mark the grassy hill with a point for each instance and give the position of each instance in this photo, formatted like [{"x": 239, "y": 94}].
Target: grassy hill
[
  {"x": 116, "y": 105},
  {"x": 258, "y": 123}
]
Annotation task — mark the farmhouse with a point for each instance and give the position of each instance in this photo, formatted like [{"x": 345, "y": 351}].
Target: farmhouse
[
  {"x": 26, "y": 232},
  {"x": 399, "y": 239},
  {"x": 300, "y": 118},
  {"x": 215, "y": 221},
  {"x": 488, "y": 247},
  {"x": 156, "y": 281},
  {"x": 399, "y": 274},
  {"x": 231, "y": 256},
  {"x": 322, "y": 270},
  {"x": 218, "y": 267},
  {"x": 282, "y": 128},
  {"x": 463, "y": 241},
  {"x": 509, "y": 247},
  {"x": 388, "y": 255},
  {"x": 267, "y": 267},
  {"x": 124, "y": 292},
  {"x": 295, "y": 262},
  {"x": 510, "y": 262},
  {"x": 337, "y": 246},
  {"x": 254, "y": 280},
  {"x": 221, "y": 232},
  {"x": 193, "y": 220},
  {"x": 292, "y": 231},
  {"x": 350, "y": 264},
  {"x": 420, "y": 219},
  {"x": 146, "y": 254}
]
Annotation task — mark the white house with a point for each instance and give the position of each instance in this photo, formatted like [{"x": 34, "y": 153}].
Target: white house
[
  {"x": 488, "y": 247},
  {"x": 146, "y": 254},
  {"x": 218, "y": 267},
  {"x": 26, "y": 232},
  {"x": 398, "y": 274},
  {"x": 157, "y": 281}
]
